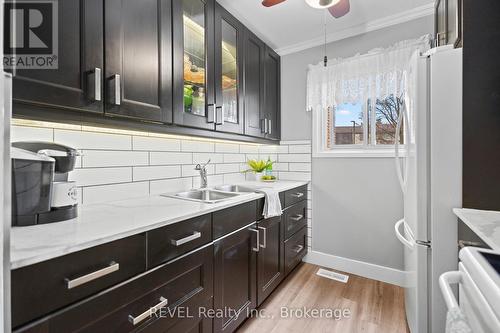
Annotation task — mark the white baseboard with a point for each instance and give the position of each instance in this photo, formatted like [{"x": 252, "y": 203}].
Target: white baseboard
[{"x": 371, "y": 271}]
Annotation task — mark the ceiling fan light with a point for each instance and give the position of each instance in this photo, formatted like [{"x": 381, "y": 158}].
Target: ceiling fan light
[{"x": 321, "y": 4}]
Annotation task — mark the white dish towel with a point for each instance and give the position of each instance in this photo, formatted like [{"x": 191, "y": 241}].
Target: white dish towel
[
  {"x": 272, "y": 204},
  {"x": 456, "y": 322}
]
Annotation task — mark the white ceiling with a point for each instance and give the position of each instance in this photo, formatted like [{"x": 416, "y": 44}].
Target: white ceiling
[{"x": 293, "y": 26}]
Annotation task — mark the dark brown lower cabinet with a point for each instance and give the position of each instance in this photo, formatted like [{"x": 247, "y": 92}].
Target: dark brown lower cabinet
[
  {"x": 235, "y": 278},
  {"x": 177, "y": 289},
  {"x": 295, "y": 249},
  {"x": 270, "y": 259}
]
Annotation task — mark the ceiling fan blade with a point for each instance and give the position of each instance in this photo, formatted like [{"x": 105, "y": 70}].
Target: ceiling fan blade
[
  {"x": 340, "y": 9},
  {"x": 269, "y": 3}
]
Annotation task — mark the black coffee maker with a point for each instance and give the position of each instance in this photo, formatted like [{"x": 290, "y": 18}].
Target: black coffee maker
[{"x": 41, "y": 191}]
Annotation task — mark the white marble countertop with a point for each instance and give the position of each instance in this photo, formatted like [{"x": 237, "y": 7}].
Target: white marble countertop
[
  {"x": 102, "y": 223},
  {"x": 485, "y": 223}
]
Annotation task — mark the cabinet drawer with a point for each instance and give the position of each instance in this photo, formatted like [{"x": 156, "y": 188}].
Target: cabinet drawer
[
  {"x": 171, "y": 241},
  {"x": 295, "y": 218},
  {"x": 295, "y": 249},
  {"x": 47, "y": 286},
  {"x": 175, "y": 289},
  {"x": 233, "y": 218},
  {"x": 295, "y": 195}
]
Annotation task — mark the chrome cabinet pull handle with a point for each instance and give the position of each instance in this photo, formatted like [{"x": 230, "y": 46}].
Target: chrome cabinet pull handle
[
  {"x": 298, "y": 248},
  {"x": 211, "y": 113},
  {"x": 264, "y": 125},
  {"x": 269, "y": 127},
  {"x": 115, "y": 91},
  {"x": 219, "y": 115},
  {"x": 297, "y": 217},
  {"x": 179, "y": 242},
  {"x": 265, "y": 237},
  {"x": 94, "y": 84},
  {"x": 256, "y": 249},
  {"x": 113, "y": 267},
  {"x": 297, "y": 195},
  {"x": 149, "y": 312}
]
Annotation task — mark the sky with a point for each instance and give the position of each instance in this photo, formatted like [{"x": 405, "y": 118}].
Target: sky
[{"x": 347, "y": 112}]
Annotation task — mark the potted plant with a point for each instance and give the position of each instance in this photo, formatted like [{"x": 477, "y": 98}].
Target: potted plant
[{"x": 257, "y": 168}]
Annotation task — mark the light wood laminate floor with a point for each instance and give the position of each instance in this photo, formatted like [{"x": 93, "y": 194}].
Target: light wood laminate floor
[{"x": 374, "y": 306}]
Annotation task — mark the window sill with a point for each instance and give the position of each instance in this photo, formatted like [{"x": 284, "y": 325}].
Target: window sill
[{"x": 358, "y": 153}]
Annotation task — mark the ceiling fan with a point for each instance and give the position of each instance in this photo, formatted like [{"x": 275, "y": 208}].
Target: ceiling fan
[{"x": 337, "y": 8}]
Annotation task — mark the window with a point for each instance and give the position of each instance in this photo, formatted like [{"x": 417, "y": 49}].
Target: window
[
  {"x": 356, "y": 102},
  {"x": 364, "y": 124}
]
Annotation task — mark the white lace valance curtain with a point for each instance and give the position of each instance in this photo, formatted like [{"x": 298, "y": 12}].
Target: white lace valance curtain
[{"x": 377, "y": 74}]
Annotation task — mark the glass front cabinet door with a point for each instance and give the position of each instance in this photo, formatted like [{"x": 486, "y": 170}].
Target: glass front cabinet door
[
  {"x": 229, "y": 50},
  {"x": 194, "y": 77}
]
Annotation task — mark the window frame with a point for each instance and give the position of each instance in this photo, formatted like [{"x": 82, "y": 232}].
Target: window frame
[{"x": 364, "y": 150}]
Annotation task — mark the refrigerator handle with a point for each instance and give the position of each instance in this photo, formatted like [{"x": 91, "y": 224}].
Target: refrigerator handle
[
  {"x": 402, "y": 239},
  {"x": 402, "y": 179},
  {"x": 445, "y": 280}
]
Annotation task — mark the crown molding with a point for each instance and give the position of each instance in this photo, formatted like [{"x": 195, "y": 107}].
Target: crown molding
[{"x": 378, "y": 24}]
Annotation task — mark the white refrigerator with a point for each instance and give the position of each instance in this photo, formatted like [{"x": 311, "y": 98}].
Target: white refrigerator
[{"x": 429, "y": 167}]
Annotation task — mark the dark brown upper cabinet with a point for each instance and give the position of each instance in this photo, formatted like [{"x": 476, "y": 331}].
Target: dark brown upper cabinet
[
  {"x": 229, "y": 59},
  {"x": 193, "y": 59},
  {"x": 138, "y": 49},
  {"x": 272, "y": 94},
  {"x": 77, "y": 82},
  {"x": 254, "y": 85}
]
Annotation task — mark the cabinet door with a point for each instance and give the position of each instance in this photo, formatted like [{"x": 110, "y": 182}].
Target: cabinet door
[
  {"x": 77, "y": 83},
  {"x": 272, "y": 93},
  {"x": 254, "y": 85},
  {"x": 138, "y": 59},
  {"x": 235, "y": 278},
  {"x": 229, "y": 50},
  {"x": 193, "y": 58},
  {"x": 270, "y": 259}
]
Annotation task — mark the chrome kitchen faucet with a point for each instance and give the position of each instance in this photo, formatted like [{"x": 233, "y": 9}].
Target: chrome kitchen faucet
[{"x": 203, "y": 173}]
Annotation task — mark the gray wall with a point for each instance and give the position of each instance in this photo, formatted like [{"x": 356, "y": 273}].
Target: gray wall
[{"x": 356, "y": 201}]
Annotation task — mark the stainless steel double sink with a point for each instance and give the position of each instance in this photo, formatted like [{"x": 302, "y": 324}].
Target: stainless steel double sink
[{"x": 213, "y": 195}]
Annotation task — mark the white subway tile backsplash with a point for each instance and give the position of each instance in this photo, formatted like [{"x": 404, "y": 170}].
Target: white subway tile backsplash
[
  {"x": 99, "y": 194},
  {"x": 234, "y": 158},
  {"x": 227, "y": 168},
  {"x": 105, "y": 158},
  {"x": 280, "y": 167},
  {"x": 249, "y": 149},
  {"x": 122, "y": 164},
  {"x": 306, "y": 167},
  {"x": 22, "y": 133},
  {"x": 299, "y": 149},
  {"x": 190, "y": 171},
  {"x": 92, "y": 140},
  {"x": 232, "y": 178},
  {"x": 170, "y": 158},
  {"x": 155, "y": 144},
  {"x": 197, "y": 146},
  {"x": 298, "y": 176},
  {"x": 101, "y": 176},
  {"x": 170, "y": 185},
  {"x": 305, "y": 158},
  {"x": 156, "y": 172},
  {"x": 204, "y": 157},
  {"x": 227, "y": 148}
]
